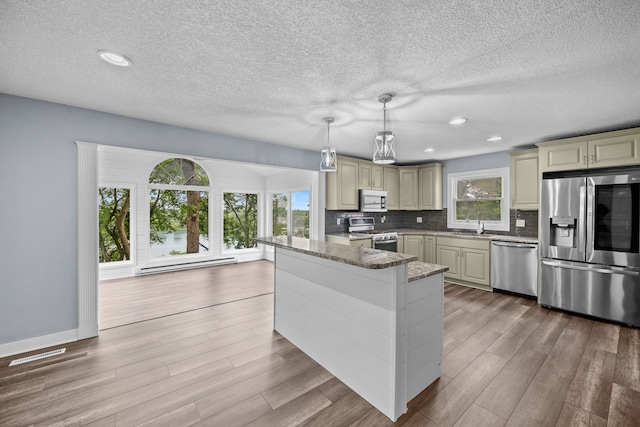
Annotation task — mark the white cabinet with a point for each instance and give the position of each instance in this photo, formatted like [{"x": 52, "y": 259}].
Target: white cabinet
[
  {"x": 391, "y": 184},
  {"x": 468, "y": 260},
  {"x": 342, "y": 185},
  {"x": 422, "y": 246},
  {"x": 340, "y": 240},
  {"x": 430, "y": 254},
  {"x": 524, "y": 179},
  {"x": 370, "y": 176},
  {"x": 620, "y": 148},
  {"x": 430, "y": 187},
  {"x": 408, "y": 188},
  {"x": 414, "y": 245}
]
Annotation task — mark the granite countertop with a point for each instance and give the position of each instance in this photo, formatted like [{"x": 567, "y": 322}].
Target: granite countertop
[
  {"x": 361, "y": 257},
  {"x": 460, "y": 234},
  {"x": 419, "y": 270},
  {"x": 470, "y": 235}
]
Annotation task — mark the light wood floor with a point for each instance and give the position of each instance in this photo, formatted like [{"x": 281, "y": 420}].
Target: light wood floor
[
  {"x": 507, "y": 361},
  {"x": 135, "y": 299}
]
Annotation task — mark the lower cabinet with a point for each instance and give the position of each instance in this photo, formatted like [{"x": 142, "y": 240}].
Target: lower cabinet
[
  {"x": 468, "y": 260},
  {"x": 414, "y": 245},
  {"x": 360, "y": 243},
  {"x": 422, "y": 246},
  {"x": 430, "y": 254}
]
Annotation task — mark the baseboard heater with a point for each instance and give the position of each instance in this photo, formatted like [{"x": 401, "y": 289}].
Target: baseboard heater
[{"x": 185, "y": 265}]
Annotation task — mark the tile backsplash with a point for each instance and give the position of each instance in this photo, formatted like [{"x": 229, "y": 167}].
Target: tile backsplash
[{"x": 431, "y": 220}]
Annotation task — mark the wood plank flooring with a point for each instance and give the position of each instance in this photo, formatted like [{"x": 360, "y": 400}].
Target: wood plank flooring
[
  {"x": 135, "y": 299},
  {"x": 507, "y": 362}
]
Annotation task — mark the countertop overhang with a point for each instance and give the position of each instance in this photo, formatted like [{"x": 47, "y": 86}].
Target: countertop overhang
[{"x": 360, "y": 257}]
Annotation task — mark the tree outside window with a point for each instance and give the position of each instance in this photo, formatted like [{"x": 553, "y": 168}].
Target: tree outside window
[
  {"x": 114, "y": 224},
  {"x": 280, "y": 214},
  {"x": 178, "y": 208},
  {"x": 479, "y": 195},
  {"x": 240, "y": 222},
  {"x": 290, "y": 214}
]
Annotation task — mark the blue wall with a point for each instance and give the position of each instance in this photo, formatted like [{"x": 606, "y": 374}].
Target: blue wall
[{"x": 38, "y": 206}]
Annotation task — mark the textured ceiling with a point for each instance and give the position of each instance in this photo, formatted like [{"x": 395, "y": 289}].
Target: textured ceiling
[{"x": 271, "y": 70}]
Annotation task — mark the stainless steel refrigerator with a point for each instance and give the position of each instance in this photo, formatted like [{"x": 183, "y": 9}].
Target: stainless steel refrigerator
[{"x": 589, "y": 243}]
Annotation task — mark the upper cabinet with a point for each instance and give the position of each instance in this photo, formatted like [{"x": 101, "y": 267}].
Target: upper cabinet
[
  {"x": 408, "y": 188},
  {"x": 524, "y": 179},
  {"x": 391, "y": 181},
  {"x": 618, "y": 148},
  {"x": 342, "y": 185},
  {"x": 430, "y": 187},
  {"x": 370, "y": 176}
]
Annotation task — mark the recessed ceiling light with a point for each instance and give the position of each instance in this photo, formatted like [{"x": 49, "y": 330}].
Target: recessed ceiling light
[
  {"x": 494, "y": 139},
  {"x": 115, "y": 58},
  {"x": 429, "y": 150},
  {"x": 457, "y": 121}
]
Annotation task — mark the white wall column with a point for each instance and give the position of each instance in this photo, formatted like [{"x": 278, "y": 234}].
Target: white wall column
[{"x": 87, "y": 240}]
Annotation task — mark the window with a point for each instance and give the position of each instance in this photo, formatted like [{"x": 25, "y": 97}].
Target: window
[
  {"x": 290, "y": 214},
  {"x": 479, "y": 195},
  {"x": 240, "y": 220},
  {"x": 114, "y": 224},
  {"x": 178, "y": 208}
]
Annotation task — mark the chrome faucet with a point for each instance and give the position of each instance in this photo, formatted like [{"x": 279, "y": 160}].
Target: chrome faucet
[{"x": 480, "y": 225}]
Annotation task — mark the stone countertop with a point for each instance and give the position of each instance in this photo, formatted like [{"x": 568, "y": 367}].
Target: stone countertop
[
  {"x": 419, "y": 270},
  {"x": 460, "y": 234},
  {"x": 360, "y": 257},
  {"x": 470, "y": 235}
]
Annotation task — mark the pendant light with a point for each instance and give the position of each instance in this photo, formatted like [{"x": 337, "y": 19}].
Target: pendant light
[
  {"x": 328, "y": 158},
  {"x": 385, "y": 147}
]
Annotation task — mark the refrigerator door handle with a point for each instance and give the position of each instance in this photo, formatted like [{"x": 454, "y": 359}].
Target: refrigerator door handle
[
  {"x": 582, "y": 227},
  {"x": 597, "y": 269}
]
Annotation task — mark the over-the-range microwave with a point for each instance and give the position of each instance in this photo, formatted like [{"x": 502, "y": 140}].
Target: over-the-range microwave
[{"x": 373, "y": 201}]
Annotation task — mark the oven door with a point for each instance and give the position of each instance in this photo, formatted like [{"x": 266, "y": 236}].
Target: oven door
[
  {"x": 613, "y": 220},
  {"x": 386, "y": 245}
]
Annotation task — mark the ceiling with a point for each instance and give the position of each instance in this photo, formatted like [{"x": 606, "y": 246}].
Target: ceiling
[{"x": 527, "y": 71}]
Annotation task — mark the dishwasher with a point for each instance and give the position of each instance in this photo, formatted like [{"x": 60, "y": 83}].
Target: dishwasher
[{"x": 514, "y": 267}]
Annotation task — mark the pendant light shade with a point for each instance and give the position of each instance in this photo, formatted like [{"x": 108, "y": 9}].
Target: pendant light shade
[
  {"x": 328, "y": 156},
  {"x": 384, "y": 151}
]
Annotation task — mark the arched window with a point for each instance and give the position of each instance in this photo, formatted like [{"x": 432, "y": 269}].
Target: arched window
[{"x": 178, "y": 208}]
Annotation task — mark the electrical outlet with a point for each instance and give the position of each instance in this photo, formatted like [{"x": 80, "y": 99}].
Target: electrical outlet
[
  {"x": 383, "y": 219},
  {"x": 419, "y": 220},
  {"x": 338, "y": 222},
  {"x": 519, "y": 222}
]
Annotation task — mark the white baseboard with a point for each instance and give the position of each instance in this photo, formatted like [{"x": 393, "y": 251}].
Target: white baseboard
[{"x": 17, "y": 347}]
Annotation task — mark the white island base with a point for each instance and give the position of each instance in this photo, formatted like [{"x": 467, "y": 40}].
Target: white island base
[{"x": 372, "y": 328}]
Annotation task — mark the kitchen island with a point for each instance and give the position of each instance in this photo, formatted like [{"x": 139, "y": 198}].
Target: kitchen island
[{"x": 372, "y": 318}]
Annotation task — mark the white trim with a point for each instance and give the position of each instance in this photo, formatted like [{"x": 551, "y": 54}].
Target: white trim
[
  {"x": 87, "y": 240},
  {"x": 38, "y": 343},
  {"x": 502, "y": 225}
]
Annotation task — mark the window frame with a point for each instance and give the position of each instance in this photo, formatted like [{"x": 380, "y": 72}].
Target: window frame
[
  {"x": 289, "y": 193},
  {"x": 503, "y": 224}
]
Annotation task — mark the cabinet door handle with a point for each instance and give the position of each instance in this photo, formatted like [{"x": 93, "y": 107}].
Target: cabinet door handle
[
  {"x": 584, "y": 160},
  {"x": 592, "y": 158}
]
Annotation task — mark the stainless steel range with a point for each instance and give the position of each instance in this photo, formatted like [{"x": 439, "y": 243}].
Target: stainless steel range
[{"x": 385, "y": 240}]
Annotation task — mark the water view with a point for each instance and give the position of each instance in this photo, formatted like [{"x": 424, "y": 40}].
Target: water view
[{"x": 176, "y": 242}]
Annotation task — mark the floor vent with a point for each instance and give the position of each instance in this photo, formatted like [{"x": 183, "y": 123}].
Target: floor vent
[{"x": 37, "y": 357}]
